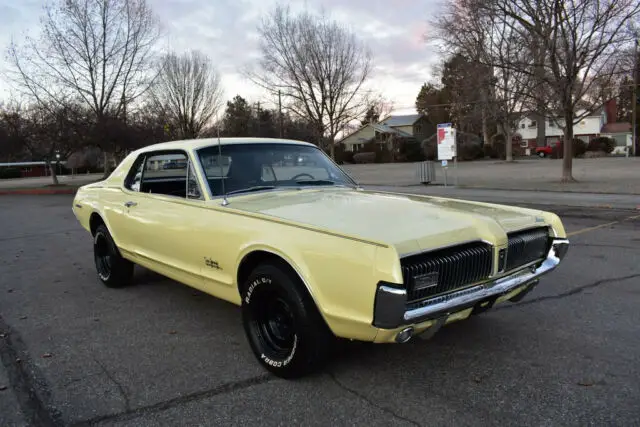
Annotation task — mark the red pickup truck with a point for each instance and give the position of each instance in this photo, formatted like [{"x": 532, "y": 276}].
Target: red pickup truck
[{"x": 548, "y": 149}]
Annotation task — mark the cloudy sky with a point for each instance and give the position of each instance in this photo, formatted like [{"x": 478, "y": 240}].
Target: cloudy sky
[{"x": 225, "y": 30}]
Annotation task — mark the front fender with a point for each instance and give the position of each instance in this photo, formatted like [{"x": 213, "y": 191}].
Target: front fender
[{"x": 340, "y": 274}]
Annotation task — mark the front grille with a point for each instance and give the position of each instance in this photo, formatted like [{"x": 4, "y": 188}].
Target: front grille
[
  {"x": 527, "y": 246},
  {"x": 456, "y": 267}
]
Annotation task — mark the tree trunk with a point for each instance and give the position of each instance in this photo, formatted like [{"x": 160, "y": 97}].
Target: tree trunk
[
  {"x": 105, "y": 157},
  {"x": 332, "y": 149},
  {"x": 567, "y": 159},
  {"x": 52, "y": 169},
  {"x": 485, "y": 126},
  {"x": 541, "y": 134},
  {"x": 508, "y": 144}
]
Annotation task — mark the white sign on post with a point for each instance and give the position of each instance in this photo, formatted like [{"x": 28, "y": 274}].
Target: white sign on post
[{"x": 446, "y": 141}]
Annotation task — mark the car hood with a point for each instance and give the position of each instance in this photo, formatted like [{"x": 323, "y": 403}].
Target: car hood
[{"x": 409, "y": 222}]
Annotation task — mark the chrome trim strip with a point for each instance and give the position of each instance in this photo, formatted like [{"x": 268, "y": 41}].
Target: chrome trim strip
[
  {"x": 452, "y": 245},
  {"x": 388, "y": 299}
]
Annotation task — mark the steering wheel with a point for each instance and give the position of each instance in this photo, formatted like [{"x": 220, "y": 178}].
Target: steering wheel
[{"x": 302, "y": 174}]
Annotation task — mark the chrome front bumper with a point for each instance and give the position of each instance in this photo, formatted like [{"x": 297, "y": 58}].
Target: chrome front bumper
[{"x": 390, "y": 310}]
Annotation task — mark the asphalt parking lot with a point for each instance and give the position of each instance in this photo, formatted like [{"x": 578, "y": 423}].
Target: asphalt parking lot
[{"x": 159, "y": 353}]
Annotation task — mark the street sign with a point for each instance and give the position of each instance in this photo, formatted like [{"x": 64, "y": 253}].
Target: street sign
[
  {"x": 444, "y": 163},
  {"x": 446, "y": 141}
]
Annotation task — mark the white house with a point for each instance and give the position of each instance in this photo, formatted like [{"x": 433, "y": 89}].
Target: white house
[
  {"x": 601, "y": 122},
  {"x": 411, "y": 126}
]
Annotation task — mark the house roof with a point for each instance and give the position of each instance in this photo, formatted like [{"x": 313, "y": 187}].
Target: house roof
[
  {"x": 379, "y": 127},
  {"x": 387, "y": 129},
  {"x": 617, "y": 127},
  {"x": 404, "y": 120}
]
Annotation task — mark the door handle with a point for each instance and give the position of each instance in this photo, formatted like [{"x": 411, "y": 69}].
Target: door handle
[{"x": 130, "y": 204}]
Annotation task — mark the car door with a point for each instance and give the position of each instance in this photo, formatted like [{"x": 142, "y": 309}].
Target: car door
[{"x": 161, "y": 213}]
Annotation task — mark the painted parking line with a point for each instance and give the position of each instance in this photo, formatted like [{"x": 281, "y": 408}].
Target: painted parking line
[{"x": 584, "y": 230}]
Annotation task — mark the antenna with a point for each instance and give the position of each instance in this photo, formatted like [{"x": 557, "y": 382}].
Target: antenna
[{"x": 225, "y": 202}]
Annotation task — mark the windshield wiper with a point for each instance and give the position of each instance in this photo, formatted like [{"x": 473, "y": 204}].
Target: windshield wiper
[{"x": 250, "y": 189}]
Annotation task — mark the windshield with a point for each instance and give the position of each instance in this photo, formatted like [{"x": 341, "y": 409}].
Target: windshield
[{"x": 267, "y": 166}]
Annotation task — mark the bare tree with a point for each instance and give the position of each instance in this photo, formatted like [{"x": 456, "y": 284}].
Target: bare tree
[
  {"x": 188, "y": 92},
  {"x": 464, "y": 29},
  {"x": 46, "y": 132},
  {"x": 317, "y": 65},
  {"x": 97, "y": 52},
  {"x": 507, "y": 47},
  {"x": 581, "y": 38}
]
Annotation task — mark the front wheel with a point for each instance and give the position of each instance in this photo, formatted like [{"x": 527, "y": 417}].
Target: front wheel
[
  {"x": 286, "y": 332},
  {"x": 541, "y": 154}
]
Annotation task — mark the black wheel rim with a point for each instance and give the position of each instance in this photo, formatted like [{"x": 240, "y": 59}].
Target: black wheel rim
[
  {"x": 274, "y": 325},
  {"x": 104, "y": 256}
]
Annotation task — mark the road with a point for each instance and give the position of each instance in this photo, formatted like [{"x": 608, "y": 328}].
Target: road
[{"x": 159, "y": 353}]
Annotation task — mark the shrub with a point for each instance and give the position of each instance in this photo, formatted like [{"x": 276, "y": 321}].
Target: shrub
[
  {"x": 9, "y": 173},
  {"x": 489, "y": 151},
  {"x": 347, "y": 156},
  {"x": 411, "y": 152},
  {"x": 469, "y": 151},
  {"x": 602, "y": 143},
  {"x": 365, "y": 157},
  {"x": 430, "y": 150},
  {"x": 579, "y": 147},
  {"x": 501, "y": 150}
]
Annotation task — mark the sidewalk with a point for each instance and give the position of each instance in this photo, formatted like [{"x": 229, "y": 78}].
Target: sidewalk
[{"x": 601, "y": 175}]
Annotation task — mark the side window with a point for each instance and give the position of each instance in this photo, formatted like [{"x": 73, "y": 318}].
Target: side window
[
  {"x": 165, "y": 173},
  {"x": 135, "y": 175}
]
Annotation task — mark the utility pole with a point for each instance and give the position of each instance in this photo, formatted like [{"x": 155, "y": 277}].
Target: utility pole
[
  {"x": 258, "y": 117},
  {"x": 280, "y": 110},
  {"x": 634, "y": 101}
]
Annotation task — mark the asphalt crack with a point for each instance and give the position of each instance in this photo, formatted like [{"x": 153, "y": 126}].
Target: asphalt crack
[
  {"x": 121, "y": 388},
  {"x": 371, "y": 402},
  {"x": 181, "y": 400},
  {"x": 29, "y": 386},
  {"x": 572, "y": 292}
]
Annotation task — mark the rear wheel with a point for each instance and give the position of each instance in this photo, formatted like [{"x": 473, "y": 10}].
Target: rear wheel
[
  {"x": 113, "y": 270},
  {"x": 286, "y": 332},
  {"x": 541, "y": 154}
]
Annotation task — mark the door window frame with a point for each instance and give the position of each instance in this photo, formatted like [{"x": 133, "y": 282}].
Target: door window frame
[{"x": 144, "y": 157}]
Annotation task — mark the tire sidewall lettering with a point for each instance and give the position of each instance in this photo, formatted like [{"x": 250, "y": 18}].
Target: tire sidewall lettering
[
  {"x": 281, "y": 363},
  {"x": 252, "y": 286},
  {"x": 275, "y": 363}
]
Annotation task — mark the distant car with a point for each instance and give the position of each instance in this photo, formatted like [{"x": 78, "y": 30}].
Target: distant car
[
  {"x": 547, "y": 150},
  {"x": 307, "y": 254}
]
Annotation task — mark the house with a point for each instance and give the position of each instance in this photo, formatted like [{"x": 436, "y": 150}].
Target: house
[
  {"x": 602, "y": 122},
  {"x": 403, "y": 128}
]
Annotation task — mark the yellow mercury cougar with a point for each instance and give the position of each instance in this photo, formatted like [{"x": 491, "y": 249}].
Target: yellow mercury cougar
[{"x": 276, "y": 227}]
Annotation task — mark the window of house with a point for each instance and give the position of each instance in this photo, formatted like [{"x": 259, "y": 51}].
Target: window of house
[
  {"x": 522, "y": 126},
  {"x": 550, "y": 123}
]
